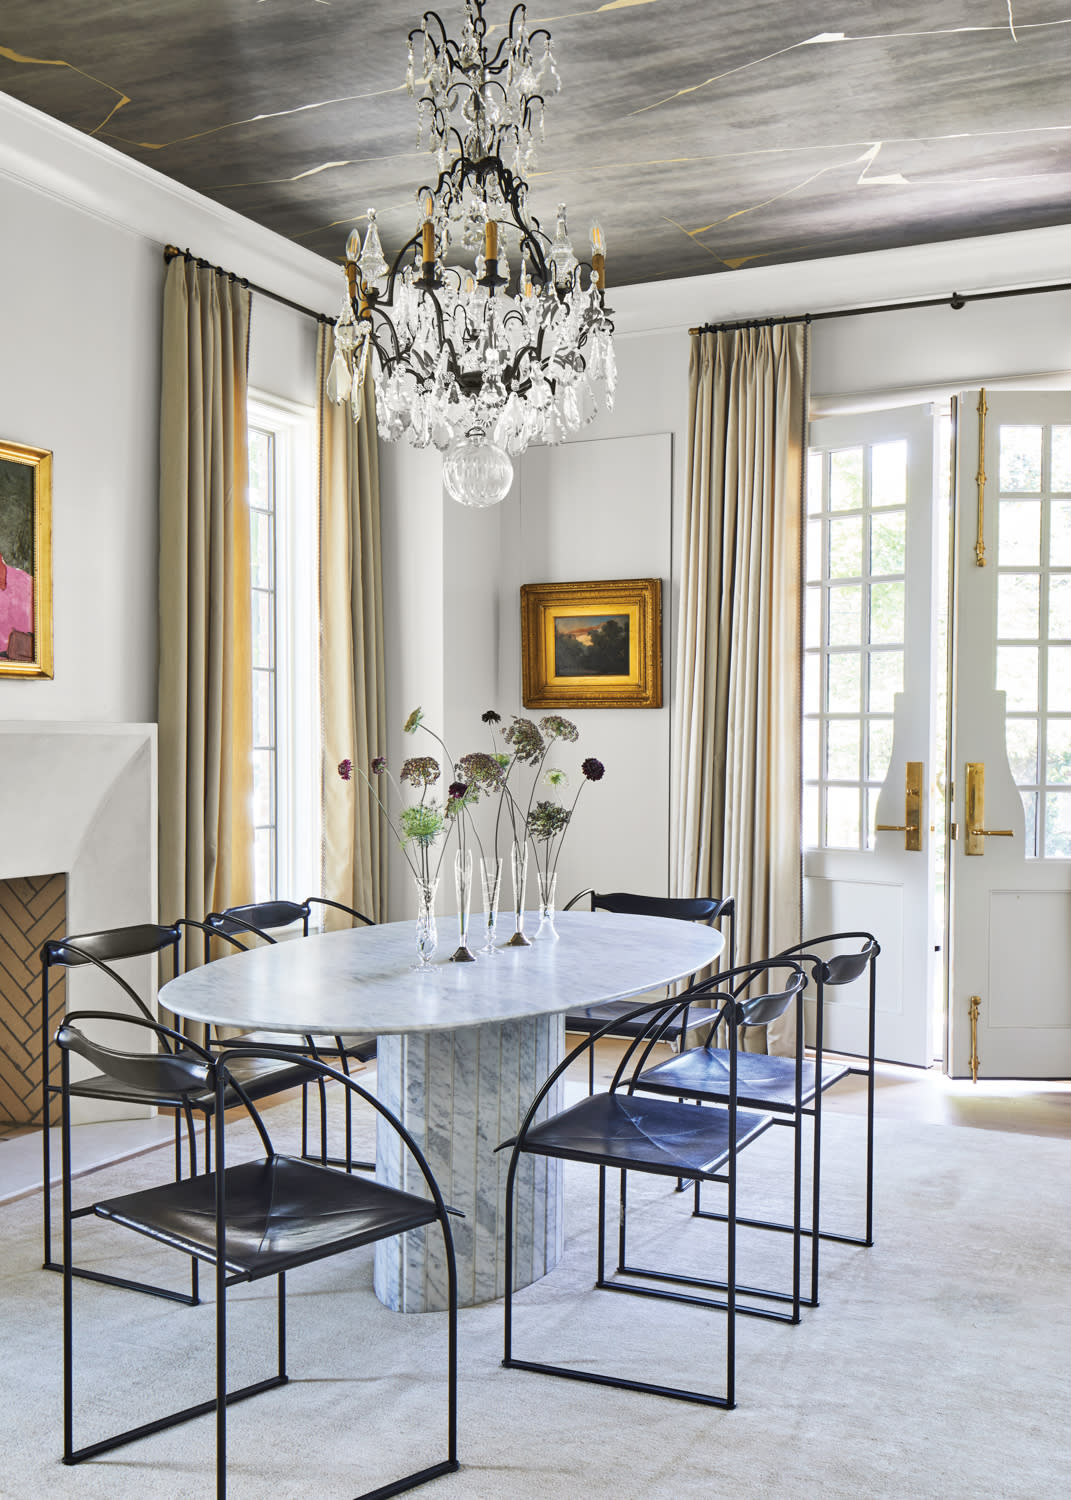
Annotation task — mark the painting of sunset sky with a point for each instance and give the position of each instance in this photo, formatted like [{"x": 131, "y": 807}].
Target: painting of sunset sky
[{"x": 591, "y": 645}]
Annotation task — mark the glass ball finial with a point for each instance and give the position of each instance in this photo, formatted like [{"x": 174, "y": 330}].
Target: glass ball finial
[{"x": 476, "y": 472}]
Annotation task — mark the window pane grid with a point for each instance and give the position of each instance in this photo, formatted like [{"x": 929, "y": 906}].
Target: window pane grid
[
  {"x": 1034, "y": 628},
  {"x": 262, "y": 460},
  {"x": 853, "y": 636}
]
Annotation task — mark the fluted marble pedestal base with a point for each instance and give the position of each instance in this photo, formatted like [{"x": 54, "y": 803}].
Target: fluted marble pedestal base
[{"x": 461, "y": 1093}]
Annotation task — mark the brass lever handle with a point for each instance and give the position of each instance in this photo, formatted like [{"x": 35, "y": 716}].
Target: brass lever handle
[
  {"x": 976, "y": 812},
  {"x": 911, "y": 827}
]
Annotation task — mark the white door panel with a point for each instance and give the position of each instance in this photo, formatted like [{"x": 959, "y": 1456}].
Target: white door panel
[{"x": 1011, "y": 903}]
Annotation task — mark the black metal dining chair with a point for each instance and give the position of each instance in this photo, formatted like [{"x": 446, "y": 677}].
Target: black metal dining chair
[
  {"x": 250, "y": 1220},
  {"x": 261, "y": 919},
  {"x": 101, "y": 951},
  {"x": 791, "y": 1088},
  {"x": 633, "y": 1132},
  {"x": 708, "y": 909}
]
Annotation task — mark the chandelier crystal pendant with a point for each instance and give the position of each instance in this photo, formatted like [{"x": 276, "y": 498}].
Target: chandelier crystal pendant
[{"x": 479, "y": 359}]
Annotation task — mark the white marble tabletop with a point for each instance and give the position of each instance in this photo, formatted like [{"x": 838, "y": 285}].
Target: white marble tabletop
[{"x": 363, "y": 979}]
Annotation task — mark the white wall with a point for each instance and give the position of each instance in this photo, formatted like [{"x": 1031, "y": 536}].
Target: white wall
[{"x": 82, "y": 231}]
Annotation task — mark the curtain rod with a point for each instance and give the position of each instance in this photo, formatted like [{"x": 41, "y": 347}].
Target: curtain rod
[
  {"x": 171, "y": 251},
  {"x": 956, "y": 301}
]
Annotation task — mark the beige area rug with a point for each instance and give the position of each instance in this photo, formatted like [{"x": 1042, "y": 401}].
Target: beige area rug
[{"x": 937, "y": 1365}]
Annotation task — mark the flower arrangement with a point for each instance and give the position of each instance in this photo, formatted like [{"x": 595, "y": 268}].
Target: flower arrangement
[{"x": 492, "y": 778}]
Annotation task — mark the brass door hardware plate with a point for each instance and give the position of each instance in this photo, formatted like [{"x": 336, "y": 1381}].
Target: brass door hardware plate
[
  {"x": 911, "y": 827},
  {"x": 976, "y": 835}
]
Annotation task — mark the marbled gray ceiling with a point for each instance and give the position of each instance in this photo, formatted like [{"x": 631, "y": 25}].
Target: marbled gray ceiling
[{"x": 704, "y": 136}]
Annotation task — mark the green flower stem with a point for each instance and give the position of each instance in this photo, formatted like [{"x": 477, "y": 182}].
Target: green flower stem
[{"x": 553, "y": 868}]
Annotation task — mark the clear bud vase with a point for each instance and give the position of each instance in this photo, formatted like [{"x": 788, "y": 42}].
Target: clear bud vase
[
  {"x": 548, "y": 885},
  {"x": 427, "y": 935},
  {"x": 491, "y": 880},
  {"x": 518, "y": 860},
  {"x": 463, "y": 954}
]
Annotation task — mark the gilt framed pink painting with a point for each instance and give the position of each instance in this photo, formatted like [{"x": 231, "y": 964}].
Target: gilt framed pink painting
[{"x": 25, "y": 561}]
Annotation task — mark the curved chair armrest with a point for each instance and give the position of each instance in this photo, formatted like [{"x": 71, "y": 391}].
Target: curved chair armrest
[
  {"x": 590, "y": 891},
  {"x": 350, "y": 911},
  {"x": 325, "y": 1071},
  {"x": 84, "y": 956}
]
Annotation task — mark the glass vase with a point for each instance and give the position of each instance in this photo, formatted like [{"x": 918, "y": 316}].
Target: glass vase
[
  {"x": 518, "y": 862},
  {"x": 491, "y": 881},
  {"x": 463, "y": 954},
  {"x": 427, "y": 935},
  {"x": 548, "y": 885}
]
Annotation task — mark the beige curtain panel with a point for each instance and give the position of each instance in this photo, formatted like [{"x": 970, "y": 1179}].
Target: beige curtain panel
[
  {"x": 351, "y": 649},
  {"x": 737, "y": 729},
  {"x": 205, "y": 693}
]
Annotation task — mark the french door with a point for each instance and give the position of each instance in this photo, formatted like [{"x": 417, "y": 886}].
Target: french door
[
  {"x": 1010, "y": 989},
  {"x": 876, "y": 674},
  {"x": 869, "y": 853}
]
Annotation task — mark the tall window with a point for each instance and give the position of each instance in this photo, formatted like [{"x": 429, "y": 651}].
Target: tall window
[
  {"x": 853, "y": 636},
  {"x": 1034, "y": 626},
  {"x": 286, "y": 713}
]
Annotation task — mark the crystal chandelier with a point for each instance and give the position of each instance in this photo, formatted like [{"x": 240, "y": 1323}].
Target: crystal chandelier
[{"x": 479, "y": 360}]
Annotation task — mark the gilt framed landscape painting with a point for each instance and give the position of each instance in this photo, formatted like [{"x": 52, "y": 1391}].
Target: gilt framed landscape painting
[
  {"x": 25, "y": 561},
  {"x": 592, "y": 645}
]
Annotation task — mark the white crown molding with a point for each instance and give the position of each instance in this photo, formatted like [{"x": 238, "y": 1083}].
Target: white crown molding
[
  {"x": 1031, "y": 257},
  {"x": 53, "y": 159}
]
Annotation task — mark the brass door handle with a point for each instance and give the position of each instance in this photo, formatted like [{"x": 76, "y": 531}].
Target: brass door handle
[
  {"x": 911, "y": 827},
  {"x": 976, "y": 812}
]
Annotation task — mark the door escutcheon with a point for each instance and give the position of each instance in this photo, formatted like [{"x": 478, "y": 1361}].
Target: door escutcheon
[
  {"x": 976, "y": 834},
  {"x": 911, "y": 827}
]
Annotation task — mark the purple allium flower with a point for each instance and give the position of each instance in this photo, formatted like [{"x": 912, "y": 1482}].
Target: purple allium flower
[
  {"x": 345, "y": 769},
  {"x": 593, "y": 769},
  {"x": 490, "y": 717},
  {"x": 379, "y": 765},
  {"x": 457, "y": 790},
  {"x": 420, "y": 770},
  {"x": 557, "y": 728}
]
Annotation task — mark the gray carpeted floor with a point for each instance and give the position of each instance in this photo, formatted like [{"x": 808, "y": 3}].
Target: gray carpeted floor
[{"x": 937, "y": 1365}]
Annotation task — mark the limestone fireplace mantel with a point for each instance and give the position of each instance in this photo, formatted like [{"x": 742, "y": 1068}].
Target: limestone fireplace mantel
[{"x": 80, "y": 799}]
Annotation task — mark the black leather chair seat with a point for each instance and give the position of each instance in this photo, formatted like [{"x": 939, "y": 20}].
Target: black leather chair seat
[
  {"x": 650, "y": 1135},
  {"x": 281, "y": 1212},
  {"x": 595, "y": 1017},
  {"x": 762, "y": 1081},
  {"x": 355, "y": 1044},
  {"x": 259, "y": 1077}
]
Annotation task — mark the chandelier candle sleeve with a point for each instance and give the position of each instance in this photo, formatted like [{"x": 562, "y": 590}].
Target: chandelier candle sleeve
[{"x": 462, "y": 356}]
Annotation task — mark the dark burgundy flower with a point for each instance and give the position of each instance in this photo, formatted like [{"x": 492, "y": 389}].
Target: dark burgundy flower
[
  {"x": 457, "y": 790},
  {"x": 345, "y": 769},
  {"x": 490, "y": 717},
  {"x": 593, "y": 769},
  {"x": 379, "y": 765}
]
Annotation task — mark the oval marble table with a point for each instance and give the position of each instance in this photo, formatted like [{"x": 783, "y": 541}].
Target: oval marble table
[{"x": 462, "y": 1050}]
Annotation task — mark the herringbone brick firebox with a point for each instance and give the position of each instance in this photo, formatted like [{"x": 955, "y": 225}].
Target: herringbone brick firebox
[{"x": 32, "y": 910}]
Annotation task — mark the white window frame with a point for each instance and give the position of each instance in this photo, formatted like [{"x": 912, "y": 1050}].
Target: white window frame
[{"x": 297, "y": 675}]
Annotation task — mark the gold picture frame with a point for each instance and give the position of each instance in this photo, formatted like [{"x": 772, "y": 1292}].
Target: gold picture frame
[
  {"x": 25, "y": 561},
  {"x": 592, "y": 645}
]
